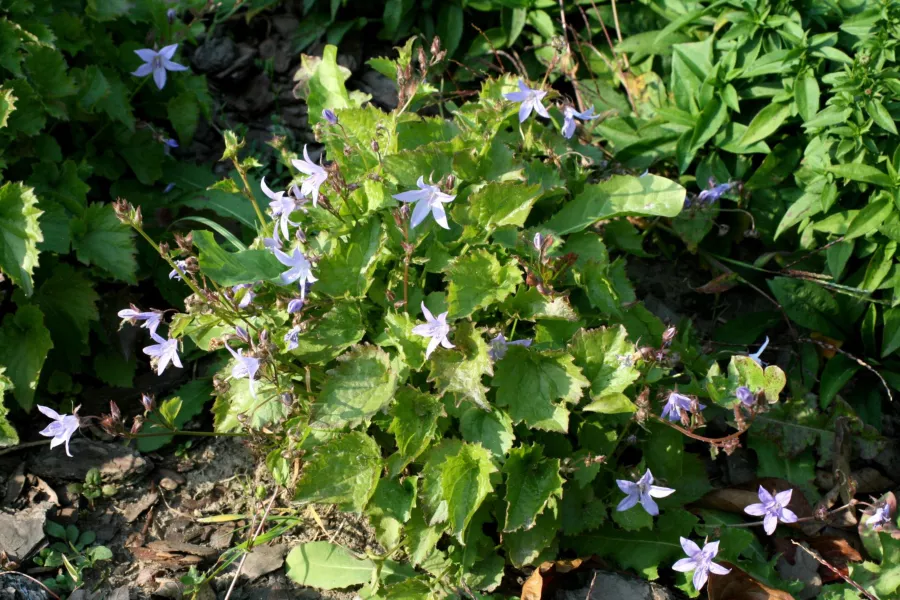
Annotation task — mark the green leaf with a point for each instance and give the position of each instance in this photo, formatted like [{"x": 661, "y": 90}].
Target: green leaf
[
  {"x": 332, "y": 333},
  {"x": 48, "y": 72},
  {"x": 863, "y": 173},
  {"x": 880, "y": 115},
  {"x": 362, "y": 384},
  {"x": 326, "y": 86},
  {"x": 838, "y": 371},
  {"x": 342, "y": 471},
  {"x": 620, "y": 195},
  {"x": 870, "y": 218},
  {"x": 232, "y": 268},
  {"x": 493, "y": 430},
  {"x": 611, "y": 404},
  {"x": 712, "y": 118},
  {"x": 606, "y": 285},
  {"x": 799, "y": 469},
  {"x": 20, "y": 234},
  {"x": 806, "y": 94},
  {"x": 349, "y": 265},
  {"x": 184, "y": 113},
  {"x": 459, "y": 371},
  {"x": 644, "y": 551},
  {"x": 238, "y": 409},
  {"x": 390, "y": 507},
  {"x": 8, "y": 435},
  {"x": 100, "y": 239},
  {"x": 326, "y": 566},
  {"x": 808, "y": 305},
  {"x": 477, "y": 280},
  {"x": 69, "y": 303},
  {"x": 399, "y": 334},
  {"x": 531, "y": 481},
  {"x": 414, "y": 424},
  {"x": 531, "y": 546},
  {"x": 7, "y": 105},
  {"x": 537, "y": 386},
  {"x": 465, "y": 483},
  {"x": 499, "y": 204},
  {"x": 603, "y": 356},
  {"x": 530, "y": 305},
  {"x": 190, "y": 399},
  {"x": 512, "y": 21},
  {"x": 765, "y": 123},
  {"x": 449, "y": 26},
  {"x": 891, "y": 331},
  {"x": 666, "y": 458},
  {"x": 24, "y": 344}
]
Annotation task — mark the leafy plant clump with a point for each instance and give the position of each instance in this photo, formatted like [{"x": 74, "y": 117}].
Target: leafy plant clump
[
  {"x": 432, "y": 328},
  {"x": 92, "y": 103}
]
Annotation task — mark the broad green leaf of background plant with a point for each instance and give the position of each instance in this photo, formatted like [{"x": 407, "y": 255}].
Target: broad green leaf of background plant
[
  {"x": 336, "y": 330},
  {"x": 100, "y": 239},
  {"x": 8, "y": 435},
  {"x": 531, "y": 481},
  {"x": 459, "y": 371},
  {"x": 24, "y": 344},
  {"x": 532, "y": 546},
  {"x": 537, "y": 386},
  {"x": 326, "y": 566},
  {"x": 399, "y": 334},
  {"x": 644, "y": 551},
  {"x": 477, "y": 280},
  {"x": 390, "y": 507},
  {"x": 666, "y": 458},
  {"x": 69, "y": 303},
  {"x": 342, "y": 471},
  {"x": 808, "y": 305},
  {"x": 620, "y": 195},
  {"x": 20, "y": 234},
  {"x": 530, "y": 304},
  {"x": 499, "y": 204},
  {"x": 232, "y": 268},
  {"x": 765, "y": 123},
  {"x": 465, "y": 483},
  {"x": 362, "y": 384}
]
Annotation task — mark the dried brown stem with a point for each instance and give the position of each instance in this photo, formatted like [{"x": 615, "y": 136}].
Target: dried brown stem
[{"x": 835, "y": 570}]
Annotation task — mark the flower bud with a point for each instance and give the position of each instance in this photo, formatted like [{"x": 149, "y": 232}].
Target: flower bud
[
  {"x": 329, "y": 116},
  {"x": 185, "y": 242},
  {"x": 171, "y": 15},
  {"x": 137, "y": 424},
  {"x": 148, "y": 402},
  {"x": 287, "y": 398},
  {"x": 669, "y": 335},
  {"x": 242, "y": 334}
]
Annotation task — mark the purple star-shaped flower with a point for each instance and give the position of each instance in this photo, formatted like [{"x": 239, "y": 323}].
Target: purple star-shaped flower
[
  {"x": 61, "y": 429},
  {"x": 642, "y": 491},
  {"x": 772, "y": 509},
  {"x": 530, "y": 99},
  {"x": 179, "y": 270},
  {"x": 151, "y": 319},
  {"x": 755, "y": 356},
  {"x": 880, "y": 518},
  {"x": 711, "y": 195},
  {"x": 246, "y": 366},
  {"x": 315, "y": 176},
  {"x": 426, "y": 198},
  {"x": 246, "y": 297},
  {"x": 437, "y": 329},
  {"x": 700, "y": 562},
  {"x": 281, "y": 205},
  {"x": 499, "y": 346},
  {"x": 300, "y": 269},
  {"x": 746, "y": 397},
  {"x": 291, "y": 338},
  {"x": 158, "y": 63},
  {"x": 674, "y": 404},
  {"x": 570, "y": 114},
  {"x": 163, "y": 353}
]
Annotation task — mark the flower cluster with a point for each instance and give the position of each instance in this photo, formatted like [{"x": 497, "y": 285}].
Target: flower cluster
[{"x": 531, "y": 100}]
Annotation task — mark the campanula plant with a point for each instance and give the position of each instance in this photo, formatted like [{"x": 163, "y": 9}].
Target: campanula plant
[{"x": 482, "y": 385}]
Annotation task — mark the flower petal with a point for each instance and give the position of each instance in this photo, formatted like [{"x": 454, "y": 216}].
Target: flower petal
[
  {"x": 173, "y": 66},
  {"x": 689, "y": 547},
  {"x": 440, "y": 215},
  {"x": 784, "y": 498},
  {"x": 143, "y": 70},
  {"x": 146, "y": 54},
  {"x": 629, "y": 487},
  {"x": 627, "y": 502},
  {"x": 718, "y": 569},
  {"x": 525, "y": 110},
  {"x": 428, "y": 316},
  {"x": 168, "y": 51},
  {"x": 541, "y": 110},
  {"x": 159, "y": 77},
  {"x": 410, "y": 196},
  {"x": 770, "y": 522},
  {"x": 764, "y": 496},
  {"x": 757, "y": 510},
  {"x": 660, "y": 492},
  {"x": 700, "y": 577},
  {"x": 49, "y": 412},
  {"x": 445, "y": 342},
  {"x": 420, "y": 212},
  {"x": 684, "y": 565},
  {"x": 432, "y": 345},
  {"x": 649, "y": 505},
  {"x": 788, "y": 516}
]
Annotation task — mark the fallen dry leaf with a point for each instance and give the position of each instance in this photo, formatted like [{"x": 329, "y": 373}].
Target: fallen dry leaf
[
  {"x": 533, "y": 587},
  {"x": 719, "y": 284},
  {"x": 738, "y": 585}
]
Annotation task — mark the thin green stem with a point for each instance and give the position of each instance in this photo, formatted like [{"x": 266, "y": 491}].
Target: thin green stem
[{"x": 248, "y": 191}]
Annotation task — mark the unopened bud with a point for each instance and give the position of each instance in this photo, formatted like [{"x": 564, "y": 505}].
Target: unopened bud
[
  {"x": 242, "y": 334},
  {"x": 669, "y": 335},
  {"x": 287, "y": 398},
  {"x": 164, "y": 247},
  {"x": 375, "y": 146},
  {"x": 148, "y": 402},
  {"x": 185, "y": 242},
  {"x": 171, "y": 15},
  {"x": 137, "y": 424},
  {"x": 264, "y": 336}
]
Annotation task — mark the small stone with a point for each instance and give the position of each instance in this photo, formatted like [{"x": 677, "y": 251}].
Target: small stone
[
  {"x": 214, "y": 55},
  {"x": 22, "y": 531},
  {"x": 382, "y": 89},
  {"x": 264, "y": 559},
  {"x": 170, "y": 589},
  {"x": 169, "y": 484},
  {"x": 612, "y": 586}
]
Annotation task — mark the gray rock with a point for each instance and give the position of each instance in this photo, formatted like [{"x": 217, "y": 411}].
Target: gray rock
[
  {"x": 214, "y": 55},
  {"x": 22, "y": 531},
  {"x": 16, "y": 587},
  {"x": 263, "y": 560},
  {"x": 114, "y": 461},
  {"x": 612, "y": 586},
  {"x": 382, "y": 89}
]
